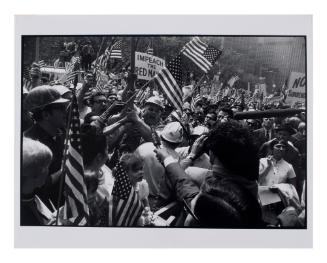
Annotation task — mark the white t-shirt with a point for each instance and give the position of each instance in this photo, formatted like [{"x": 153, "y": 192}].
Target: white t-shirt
[{"x": 278, "y": 173}]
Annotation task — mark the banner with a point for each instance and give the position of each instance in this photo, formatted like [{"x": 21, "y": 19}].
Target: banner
[
  {"x": 147, "y": 66},
  {"x": 296, "y": 88},
  {"x": 57, "y": 72}
]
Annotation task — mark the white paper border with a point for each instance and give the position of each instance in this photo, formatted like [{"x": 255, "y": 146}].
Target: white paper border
[{"x": 139, "y": 24}]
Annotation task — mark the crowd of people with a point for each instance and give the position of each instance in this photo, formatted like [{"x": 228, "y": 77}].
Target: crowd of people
[{"x": 213, "y": 167}]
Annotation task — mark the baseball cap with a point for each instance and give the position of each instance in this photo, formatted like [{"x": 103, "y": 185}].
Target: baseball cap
[{"x": 42, "y": 96}]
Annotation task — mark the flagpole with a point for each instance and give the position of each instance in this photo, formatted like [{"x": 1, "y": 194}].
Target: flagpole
[
  {"x": 62, "y": 169},
  {"x": 130, "y": 89}
]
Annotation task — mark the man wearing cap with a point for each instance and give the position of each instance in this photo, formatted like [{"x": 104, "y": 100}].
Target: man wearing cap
[
  {"x": 154, "y": 173},
  {"x": 49, "y": 113}
]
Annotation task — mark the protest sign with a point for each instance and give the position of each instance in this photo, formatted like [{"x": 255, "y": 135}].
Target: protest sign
[
  {"x": 57, "y": 72},
  {"x": 296, "y": 88},
  {"x": 147, "y": 66}
]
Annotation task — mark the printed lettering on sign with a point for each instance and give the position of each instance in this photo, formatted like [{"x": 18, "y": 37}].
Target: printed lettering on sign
[{"x": 147, "y": 66}]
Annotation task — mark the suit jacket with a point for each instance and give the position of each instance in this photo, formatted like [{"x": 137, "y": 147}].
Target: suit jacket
[
  {"x": 261, "y": 136},
  {"x": 184, "y": 187}
]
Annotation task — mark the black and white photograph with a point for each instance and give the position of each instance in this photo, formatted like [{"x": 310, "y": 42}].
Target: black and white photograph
[{"x": 163, "y": 131}]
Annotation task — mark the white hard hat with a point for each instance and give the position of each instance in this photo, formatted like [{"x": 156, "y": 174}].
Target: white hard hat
[
  {"x": 173, "y": 132},
  {"x": 155, "y": 100},
  {"x": 199, "y": 130}
]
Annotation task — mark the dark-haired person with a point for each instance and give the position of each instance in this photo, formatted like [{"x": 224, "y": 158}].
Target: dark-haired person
[
  {"x": 235, "y": 169},
  {"x": 133, "y": 165},
  {"x": 266, "y": 133},
  {"x": 98, "y": 176},
  {"x": 224, "y": 115},
  {"x": 95, "y": 155},
  {"x": 48, "y": 110},
  {"x": 36, "y": 160},
  {"x": 210, "y": 120},
  {"x": 98, "y": 104}
]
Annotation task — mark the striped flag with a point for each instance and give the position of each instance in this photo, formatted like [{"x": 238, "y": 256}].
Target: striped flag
[
  {"x": 116, "y": 50},
  {"x": 74, "y": 62},
  {"x": 195, "y": 99},
  {"x": 76, "y": 210},
  {"x": 201, "y": 54},
  {"x": 125, "y": 207},
  {"x": 41, "y": 64},
  {"x": 72, "y": 70},
  {"x": 27, "y": 83},
  {"x": 71, "y": 76},
  {"x": 170, "y": 81}
]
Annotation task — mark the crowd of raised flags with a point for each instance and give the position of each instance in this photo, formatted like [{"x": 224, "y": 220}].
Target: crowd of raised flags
[{"x": 125, "y": 207}]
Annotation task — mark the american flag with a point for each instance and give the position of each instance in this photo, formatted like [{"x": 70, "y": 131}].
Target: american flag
[
  {"x": 195, "y": 99},
  {"x": 70, "y": 77},
  {"x": 141, "y": 96},
  {"x": 27, "y": 83},
  {"x": 76, "y": 210},
  {"x": 71, "y": 70},
  {"x": 125, "y": 207},
  {"x": 170, "y": 81},
  {"x": 74, "y": 62},
  {"x": 41, "y": 64},
  {"x": 149, "y": 50},
  {"x": 116, "y": 50},
  {"x": 201, "y": 54}
]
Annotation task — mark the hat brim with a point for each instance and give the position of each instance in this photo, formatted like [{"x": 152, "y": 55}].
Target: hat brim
[{"x": 60, "y": 100}]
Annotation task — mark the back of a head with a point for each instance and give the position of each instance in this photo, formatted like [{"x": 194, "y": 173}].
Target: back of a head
[
  {"x": 233, "y": 145},
  {"x": 92, "y": 143},
  {"x": 223, "y": 204},
  {"x": 36, "y": 156}
]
